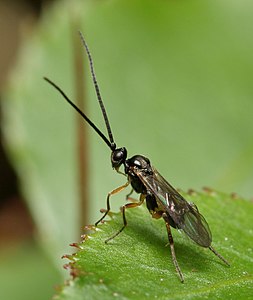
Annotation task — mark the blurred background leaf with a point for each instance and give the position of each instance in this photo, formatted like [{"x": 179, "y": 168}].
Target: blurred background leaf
[{"x": 176, "y": 79}]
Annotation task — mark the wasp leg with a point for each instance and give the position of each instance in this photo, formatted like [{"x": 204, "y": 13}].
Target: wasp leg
[
  {"x": 173, "y": 254},
  {"x": 129, "y": 194},
  {"x": 118, "y": 171},
  {"x": 128, "y": 198},
  {"x": 108, "y": 208},
  {"x": 124, "y": 207},
  {"x": 220, "y": 256}
]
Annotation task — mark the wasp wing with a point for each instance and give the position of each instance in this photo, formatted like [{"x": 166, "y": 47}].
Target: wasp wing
[{"x": 184, "y": 214}]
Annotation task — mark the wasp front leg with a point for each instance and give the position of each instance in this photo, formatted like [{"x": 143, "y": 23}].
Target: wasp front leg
[{"x": 108, "y": 207}]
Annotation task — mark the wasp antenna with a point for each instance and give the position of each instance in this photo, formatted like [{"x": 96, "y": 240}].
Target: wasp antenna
[
  {"x": 94, "y": 79},
  {"x": 100, "y": 133}
]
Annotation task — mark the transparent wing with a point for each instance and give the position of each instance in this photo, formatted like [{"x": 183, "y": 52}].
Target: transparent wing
[{"x": 185, "y": 215}]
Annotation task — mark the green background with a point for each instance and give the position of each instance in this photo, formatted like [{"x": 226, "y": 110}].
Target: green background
[{"x": 176, "y": 77}]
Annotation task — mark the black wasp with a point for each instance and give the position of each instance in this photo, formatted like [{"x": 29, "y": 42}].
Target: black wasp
[{"x": 162, "y": 199}]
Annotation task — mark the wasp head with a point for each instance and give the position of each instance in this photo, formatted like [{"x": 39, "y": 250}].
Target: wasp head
[{"x": 118, "y": 157}]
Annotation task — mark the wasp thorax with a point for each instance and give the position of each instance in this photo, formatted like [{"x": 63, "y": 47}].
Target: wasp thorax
[
  {"x": 139, "y": 161},
  {"x": 118, "y": 157}
]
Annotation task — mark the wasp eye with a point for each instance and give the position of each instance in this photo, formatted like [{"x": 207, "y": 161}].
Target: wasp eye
[{"x": 118, "y": 157}]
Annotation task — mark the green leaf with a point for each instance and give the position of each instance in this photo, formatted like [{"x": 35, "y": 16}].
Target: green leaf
[{"x": 137, "y": 264}]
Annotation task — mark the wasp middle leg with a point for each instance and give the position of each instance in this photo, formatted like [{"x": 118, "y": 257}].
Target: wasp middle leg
[{"x": 124, "y": 207}]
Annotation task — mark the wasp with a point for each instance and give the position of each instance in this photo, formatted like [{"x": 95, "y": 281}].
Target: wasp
[{"x": 162, "y": 200}]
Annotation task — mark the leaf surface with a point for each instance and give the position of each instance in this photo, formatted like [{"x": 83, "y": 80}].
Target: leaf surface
[{"x": 137, "y": 264}]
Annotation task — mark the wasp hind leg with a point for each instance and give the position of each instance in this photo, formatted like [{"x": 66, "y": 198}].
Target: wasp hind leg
[
  {"x": 124, "y": 207},
  {"x": 108, "y": 207},
  {"x": 220, "y": 256},
  {"x": 173, "y": 254}
]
